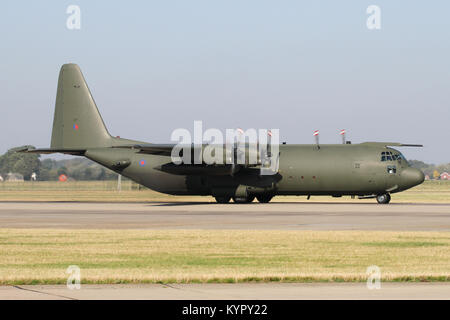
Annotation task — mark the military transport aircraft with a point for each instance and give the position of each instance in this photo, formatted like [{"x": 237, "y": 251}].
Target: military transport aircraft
[{"x": 365, "y": 170}]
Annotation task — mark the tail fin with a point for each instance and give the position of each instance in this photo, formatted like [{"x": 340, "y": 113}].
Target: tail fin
[{"x": 77, "y": 124}]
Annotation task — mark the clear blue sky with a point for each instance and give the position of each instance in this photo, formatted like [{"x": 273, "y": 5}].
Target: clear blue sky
[{"x": 154, "y": 66}]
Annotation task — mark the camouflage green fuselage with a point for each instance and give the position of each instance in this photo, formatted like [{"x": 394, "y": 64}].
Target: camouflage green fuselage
[{"x": 351, "y": 169}]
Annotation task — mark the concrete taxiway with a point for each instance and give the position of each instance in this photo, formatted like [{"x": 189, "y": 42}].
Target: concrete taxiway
[
  {"x": 279, "y": 216},
  {"x": 244, "y": 291}
]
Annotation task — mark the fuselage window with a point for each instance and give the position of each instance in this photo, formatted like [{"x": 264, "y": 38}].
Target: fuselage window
[{"x": 391, "y": 169}]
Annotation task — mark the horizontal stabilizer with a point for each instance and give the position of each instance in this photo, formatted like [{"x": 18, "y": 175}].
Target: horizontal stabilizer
[{"x": 75, "y": 152}]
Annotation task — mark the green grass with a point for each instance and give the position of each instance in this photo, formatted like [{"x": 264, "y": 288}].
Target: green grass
[
  {"x": 405, "y": 244},
  {"x": 39, "y": 256},
  {"x": 106, "y": 191}
]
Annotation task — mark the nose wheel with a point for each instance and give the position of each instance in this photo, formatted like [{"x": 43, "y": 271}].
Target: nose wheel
[{"x": 384, "y": 198}]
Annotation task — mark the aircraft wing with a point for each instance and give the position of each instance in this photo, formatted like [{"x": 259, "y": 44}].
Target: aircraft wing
[
  {"x": 161, "y": 149},
  {"x": 391, "y": 144},
  {"x": 151, "y": 148}
]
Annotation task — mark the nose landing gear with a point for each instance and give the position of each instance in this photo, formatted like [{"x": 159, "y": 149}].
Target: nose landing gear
[{"x": 383, "y": 198}]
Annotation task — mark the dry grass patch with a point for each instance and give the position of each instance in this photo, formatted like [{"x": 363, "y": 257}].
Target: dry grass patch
[{"x": 149, "y": 256}]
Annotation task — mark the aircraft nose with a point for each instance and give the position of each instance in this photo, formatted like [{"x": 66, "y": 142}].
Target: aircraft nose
[{"x": 412, "y": 177}]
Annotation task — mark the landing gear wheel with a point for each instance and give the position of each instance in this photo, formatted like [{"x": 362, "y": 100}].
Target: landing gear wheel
[
  {"x": 223, "y": 199},
  {"x": 264, "y": 198},
  {"x": 247, "y": 199},
  {"x": 384, "y": 198}
]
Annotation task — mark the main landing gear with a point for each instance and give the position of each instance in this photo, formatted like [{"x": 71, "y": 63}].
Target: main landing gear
[
  {"x": 247, "y": 199},
  {"x": 383, "y": 198},
  {"x": 262, "y": 198},
  {"x": 222, "y": 199}
]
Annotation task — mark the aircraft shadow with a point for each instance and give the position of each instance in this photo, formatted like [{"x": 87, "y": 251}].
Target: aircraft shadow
[{"x": 175, "y": 204}]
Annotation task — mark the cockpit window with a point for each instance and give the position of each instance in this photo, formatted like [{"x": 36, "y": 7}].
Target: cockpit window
[
  {"x": 402, "y": 157},
  {"x": 390, "y": 156},
  {"x": 387, "y": 156}
]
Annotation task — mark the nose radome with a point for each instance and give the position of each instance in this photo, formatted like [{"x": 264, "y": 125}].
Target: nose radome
[{"x": 412, "y": 177}]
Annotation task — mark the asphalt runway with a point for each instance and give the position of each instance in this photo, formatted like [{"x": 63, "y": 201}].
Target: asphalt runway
[
  {"x": 278, "y": 216},
  {"x": 243, "y": 291}
]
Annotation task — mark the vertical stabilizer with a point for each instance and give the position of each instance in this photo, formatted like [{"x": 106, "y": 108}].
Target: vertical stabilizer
[{"x": 77, "y": 124}]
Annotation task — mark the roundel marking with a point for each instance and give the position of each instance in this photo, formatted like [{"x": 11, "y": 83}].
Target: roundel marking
[{"x": 142, "y": 163}]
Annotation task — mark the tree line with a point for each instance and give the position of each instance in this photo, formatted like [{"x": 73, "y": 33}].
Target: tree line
[
  {"x": 50, "y": 169},
  {"x": 430, "y": 169}
]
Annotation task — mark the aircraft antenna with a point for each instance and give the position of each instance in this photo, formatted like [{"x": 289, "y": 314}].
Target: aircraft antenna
[
  {"x": 316, "y": 136},
  {"x": 342, "y": 133}
]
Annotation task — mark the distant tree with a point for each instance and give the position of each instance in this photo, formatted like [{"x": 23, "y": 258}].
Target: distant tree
[
  {"x": 88, "y": 174},
  {"x": 427, "y": 169},
  {"x": 62, "y": 170},
  {"x": 110, "y": 175},
  {"x": 48, "y": 164},
  {"x": 443, "y": 167},
  {"x": 436, "y": 174},
  {"x": 102, "y": 174},
  {"x": 418, "y": 164},
  {"x": 48, "y": 171},
  {"x": 45, "y": 175},
  {"x": 23, "y": 163}
]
